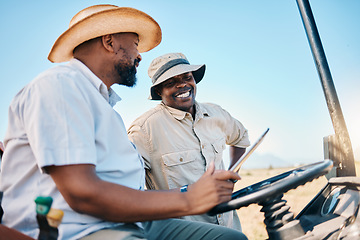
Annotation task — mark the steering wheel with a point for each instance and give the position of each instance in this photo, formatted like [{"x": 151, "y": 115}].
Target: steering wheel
[{"x": 274, "y": 186}]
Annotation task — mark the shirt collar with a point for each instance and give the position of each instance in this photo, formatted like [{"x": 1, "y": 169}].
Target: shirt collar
[
  {"x": 201, "y": 112},
  {"x": 113, "y": 97},
  {"x": 110, "y": 96}
]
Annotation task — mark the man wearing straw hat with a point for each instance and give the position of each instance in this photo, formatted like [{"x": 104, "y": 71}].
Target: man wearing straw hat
[
  {"x": 181, "y": 137},
  {"x": 64, "y": 140}
]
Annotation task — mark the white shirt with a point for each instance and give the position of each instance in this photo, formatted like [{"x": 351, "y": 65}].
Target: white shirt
[{"x": 63, "y": 117}]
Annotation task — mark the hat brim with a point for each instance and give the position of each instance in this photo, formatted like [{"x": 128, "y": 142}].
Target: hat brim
[
  {"x": 118, "y": 20},
  {"x": 198, "y": 72}
]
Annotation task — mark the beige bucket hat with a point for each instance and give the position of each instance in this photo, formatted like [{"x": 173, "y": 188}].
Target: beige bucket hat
[
  {"x": 170, "y": 65},
  {"x": 99, "y": 20}
]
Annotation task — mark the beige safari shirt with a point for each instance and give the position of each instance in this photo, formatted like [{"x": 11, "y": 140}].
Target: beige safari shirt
[{"x": 177, "y": 149}]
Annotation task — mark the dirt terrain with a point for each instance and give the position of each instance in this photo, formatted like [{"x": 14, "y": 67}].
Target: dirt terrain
[{"x": 252, "y": 219}]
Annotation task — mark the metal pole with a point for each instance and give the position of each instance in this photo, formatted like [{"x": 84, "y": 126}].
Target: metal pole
[{"x": 347, "y": 165}]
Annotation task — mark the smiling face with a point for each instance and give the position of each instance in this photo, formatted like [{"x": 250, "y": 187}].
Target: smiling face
[{"x": 179, "y": 92}]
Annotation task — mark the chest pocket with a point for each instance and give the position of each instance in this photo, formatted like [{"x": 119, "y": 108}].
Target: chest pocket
[{"x": 182, "y": 168}]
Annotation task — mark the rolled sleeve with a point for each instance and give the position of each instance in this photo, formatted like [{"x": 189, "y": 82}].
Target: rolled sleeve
[
  {"x": 236, "y": 134},
  {"x": 242, "y": 137}
]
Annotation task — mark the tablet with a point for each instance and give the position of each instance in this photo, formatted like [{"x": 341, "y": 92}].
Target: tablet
[{"x": 236, "y": 167}]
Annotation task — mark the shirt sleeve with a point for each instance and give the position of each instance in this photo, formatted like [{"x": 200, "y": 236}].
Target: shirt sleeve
[
  {"x": 141, "y": 140},
  {"x": 237, "y": 134},
  {"x": 58, "y": 122}
]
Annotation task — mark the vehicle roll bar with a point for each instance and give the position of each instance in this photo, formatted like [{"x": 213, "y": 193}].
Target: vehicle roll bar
[{"x": 346, "y": 163}]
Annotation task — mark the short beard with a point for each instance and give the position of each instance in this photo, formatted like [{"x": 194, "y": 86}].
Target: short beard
[{"x": 127, "y": 74}]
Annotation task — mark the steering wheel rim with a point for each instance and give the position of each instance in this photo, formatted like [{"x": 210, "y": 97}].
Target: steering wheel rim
[{"x": 274, "y": 186}]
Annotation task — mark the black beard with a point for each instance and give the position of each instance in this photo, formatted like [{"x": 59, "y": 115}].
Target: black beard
[{"x": 127, "y": 74}]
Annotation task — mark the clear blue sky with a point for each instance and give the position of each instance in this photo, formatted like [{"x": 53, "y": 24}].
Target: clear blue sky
[{"x": 259, "y": 63}]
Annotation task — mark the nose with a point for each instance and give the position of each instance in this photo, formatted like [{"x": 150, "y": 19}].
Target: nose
[
  {"x": 137, "y": 60},
  {"x": 181, "y": 84}
]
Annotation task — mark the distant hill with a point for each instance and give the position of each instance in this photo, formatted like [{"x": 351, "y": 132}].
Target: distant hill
[
  {"x": 258, "y": 161},
  {"x": 270, "y": 161},
  {"x": 265, "y": 161}
]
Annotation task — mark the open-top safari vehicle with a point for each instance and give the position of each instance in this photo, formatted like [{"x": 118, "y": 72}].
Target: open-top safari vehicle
[{"x": 333, "y": 213}]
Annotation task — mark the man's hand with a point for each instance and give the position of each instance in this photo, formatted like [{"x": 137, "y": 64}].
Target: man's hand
[{"x": 211, "y": 189}]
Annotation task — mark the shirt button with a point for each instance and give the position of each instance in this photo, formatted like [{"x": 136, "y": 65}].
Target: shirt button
[
  {"x": 202, "y": 146},
  {"x": 181, "y": 159}
]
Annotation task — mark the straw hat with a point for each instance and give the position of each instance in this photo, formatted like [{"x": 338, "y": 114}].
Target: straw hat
[
  {"x": 170, "y": 65},
  {"x": 99, "y": 20}
]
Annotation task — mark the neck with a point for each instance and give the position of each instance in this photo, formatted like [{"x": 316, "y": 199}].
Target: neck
[
  {"x": 94, "y": 57},
  {"x": 193, "y": 111},
  {"x": 99, "y": 70}
]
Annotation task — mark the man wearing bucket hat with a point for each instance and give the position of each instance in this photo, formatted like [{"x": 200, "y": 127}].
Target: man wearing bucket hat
[
  {"x": 180, "y": 137},
  {"x": 64, "y": 140}
]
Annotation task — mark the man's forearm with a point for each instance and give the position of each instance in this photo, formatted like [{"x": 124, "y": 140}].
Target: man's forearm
[
  {"x": 88, "y": 194},
  {"x": 235, "y": 154}
]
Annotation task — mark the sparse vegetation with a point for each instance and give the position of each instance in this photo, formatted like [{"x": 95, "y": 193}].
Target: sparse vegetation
[{"x": 252, "y": 219}]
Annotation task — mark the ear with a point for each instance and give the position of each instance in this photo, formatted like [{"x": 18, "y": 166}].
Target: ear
[
  {"x": 158, "y": 90},
  {"x": 108, "y": 42}
]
